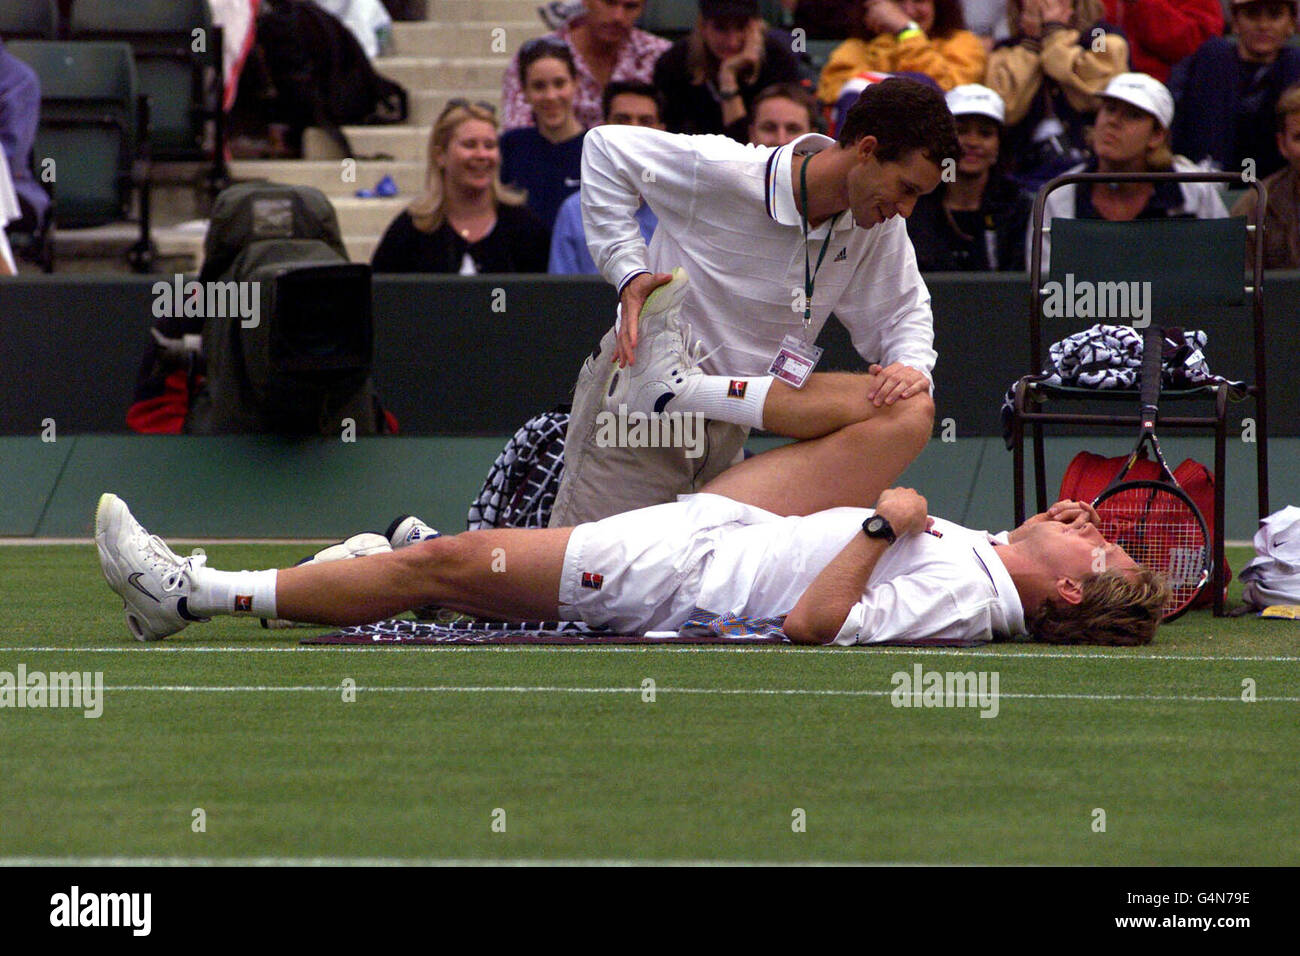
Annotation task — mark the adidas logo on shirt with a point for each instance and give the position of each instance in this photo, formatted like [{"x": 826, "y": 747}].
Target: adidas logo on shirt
[{"x": 841, "y": 255}]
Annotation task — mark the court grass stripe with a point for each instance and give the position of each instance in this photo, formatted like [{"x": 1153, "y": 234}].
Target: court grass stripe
[
  {"x": 331, "y": 861},
  {"x": 645, "y": 648},
  {"x": 703, "y": 691}
]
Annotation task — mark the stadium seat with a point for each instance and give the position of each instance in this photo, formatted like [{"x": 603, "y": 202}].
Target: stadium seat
[
  {"x": 32, "y": 236},
  {"x": 1197, "y": 269},
  {"x": 93, "y": 126},
  {"x": 184, "y": 86},
  {"x": 670, "y": 18},
  {"x": 28, "y": 19}
]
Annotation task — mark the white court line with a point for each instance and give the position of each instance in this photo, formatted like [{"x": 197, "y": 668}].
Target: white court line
[
  {"x": 315, "y": 861},
  {"x": 705, "y": 691},
  {"x": 864, "y": 652}
]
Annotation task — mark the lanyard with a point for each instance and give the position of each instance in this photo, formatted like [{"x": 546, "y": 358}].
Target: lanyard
[{"x": 810, "y": 272}]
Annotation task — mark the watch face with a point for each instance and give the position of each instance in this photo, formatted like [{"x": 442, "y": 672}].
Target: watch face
[{"x": 876, "y": 524}]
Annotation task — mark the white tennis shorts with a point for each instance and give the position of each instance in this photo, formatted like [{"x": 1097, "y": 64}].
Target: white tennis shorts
[{"x": 641, "y": 570}]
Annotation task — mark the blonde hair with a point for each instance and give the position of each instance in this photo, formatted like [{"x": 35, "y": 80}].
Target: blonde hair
[
  {"x": 698, "y": 56},
  {"x": 1118, "y": 608},
  {"x": 1086, "y": 13},
  {"x": 428, "y": 211}
]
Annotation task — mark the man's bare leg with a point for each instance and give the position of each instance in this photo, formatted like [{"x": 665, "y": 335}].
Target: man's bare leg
[
  {"x": 511, "y": 573},
  {"x": 849, "y": 449}
]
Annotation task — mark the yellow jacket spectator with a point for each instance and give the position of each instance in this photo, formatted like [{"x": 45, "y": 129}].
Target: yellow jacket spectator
[{"x": 908, "y": 36}]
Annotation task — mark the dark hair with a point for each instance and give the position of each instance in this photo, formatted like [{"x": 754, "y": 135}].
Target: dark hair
[
  {"x": 903, "y": 115},
  {"x": 635, "y": 88},
  {"x": 545, "y": 48},
  {"x": 793, "y": 92},
  {"x": 1287, "y": 103}
]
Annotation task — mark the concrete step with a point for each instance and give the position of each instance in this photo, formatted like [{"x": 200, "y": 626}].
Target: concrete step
[
  {"x": 455, "y": 11},
  {"x": 367, "y": 217},
  {"x": 445, "y": 73},
  {"x": 103, "y": 248},
  {"x": 403, "y": 143},
  {"x": 427, "y": 105},
  {"x": 328, "y": 175},
  {"x": 473, "y": 38},
  {"x": 360, "y": 248}
]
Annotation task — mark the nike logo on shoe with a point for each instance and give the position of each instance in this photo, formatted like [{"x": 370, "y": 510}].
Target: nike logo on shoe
[{"x": 134, "y": 581}]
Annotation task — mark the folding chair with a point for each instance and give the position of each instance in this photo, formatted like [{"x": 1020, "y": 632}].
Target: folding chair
[
  {"x": 1199, "y": 276},
  {"x": 185, "y": 86},
  {"x": 94, "y": 126}
]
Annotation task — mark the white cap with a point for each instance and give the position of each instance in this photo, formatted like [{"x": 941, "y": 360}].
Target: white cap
[
  {"x": 971, "y": 98},
  {"x": 1145, "y": 92}
]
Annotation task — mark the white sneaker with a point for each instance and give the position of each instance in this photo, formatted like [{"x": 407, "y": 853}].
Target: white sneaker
[
  {"x": 664, "y": 362},
  {"x": 153, "y": 582},
  {"x": 407, "y": 530}
]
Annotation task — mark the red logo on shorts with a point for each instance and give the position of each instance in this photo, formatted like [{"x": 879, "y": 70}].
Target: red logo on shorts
[
  {"x": 243, "y": 602},
  {"x": 736, "y": 389},
  {"x": 593, "y": 581}
]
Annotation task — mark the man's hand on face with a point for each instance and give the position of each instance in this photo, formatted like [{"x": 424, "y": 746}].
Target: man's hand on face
[
  {"x": 1073, "y": 513},
  {"x": 898, "y": 381},
  {"x": 633, "y": 298},
  {"x": 905, "y": 510}
]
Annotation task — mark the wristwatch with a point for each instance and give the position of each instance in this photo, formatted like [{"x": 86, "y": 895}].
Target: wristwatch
[{"x": 878, "y": 526}]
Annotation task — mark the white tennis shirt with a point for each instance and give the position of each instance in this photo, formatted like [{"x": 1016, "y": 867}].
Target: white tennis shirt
[
  {"x": 727, "y": 214},
  {"x": 945, "y": 586}
]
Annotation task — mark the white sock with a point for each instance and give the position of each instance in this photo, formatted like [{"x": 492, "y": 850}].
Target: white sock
[
  {"x": 725, "y": 398},
  {"x": 233, "y": 592}
]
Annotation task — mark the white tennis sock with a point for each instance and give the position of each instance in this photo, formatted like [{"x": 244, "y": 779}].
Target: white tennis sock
[
  {"x": 724, "y": 398},
  {"x": 233, "y": 592}
]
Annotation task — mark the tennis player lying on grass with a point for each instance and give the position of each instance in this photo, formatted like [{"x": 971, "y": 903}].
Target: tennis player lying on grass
[{"x": 889, "y": 575}]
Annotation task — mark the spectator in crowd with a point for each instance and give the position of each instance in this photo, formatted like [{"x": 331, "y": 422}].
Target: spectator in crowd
[
  {"x": 626, "y": 104},
  {"x": 8, "y": 213},
  {"x": 1132, "y": 136},
  {"x": 977, "y": 221},
  {"x": 20, "y": 111},
  {"x": 1162, "y": 32},
  {"x": 545, "y": 160},
  {"x": 1226, "y": 92},
  {"x": 782, "y": 113},
  {"x": 466, "y": 222},
  {"x": 605, "y": 46},
  {"x": 710, "y": 77},
  {"x": 1282, "y": 215},
  {"x": 912, "y": 36},
  {"x": 1049, "y": 75}
]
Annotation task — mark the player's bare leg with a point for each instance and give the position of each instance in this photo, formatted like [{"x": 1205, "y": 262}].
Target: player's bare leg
[
  {"x": 850, "y": 449},
  {"x": 510, "y": 573}
]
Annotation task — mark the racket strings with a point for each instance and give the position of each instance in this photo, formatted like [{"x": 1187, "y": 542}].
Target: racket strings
[{"x": 1160, "y": 531}]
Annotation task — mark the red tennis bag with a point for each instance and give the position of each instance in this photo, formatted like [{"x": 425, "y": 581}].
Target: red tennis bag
[{"x": 1088, "y": 474}]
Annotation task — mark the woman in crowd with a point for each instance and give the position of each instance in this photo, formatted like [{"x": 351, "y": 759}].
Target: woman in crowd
[
  {"x": 1049, "y": 75},
  {"x": 709, "y": 78},
  {"x": 545, "y": 159},
  {"x": 1132, "y": 136},
  {"x": 907, "y": 36},
  {"x": 466, "y": 222},
  {"x": 976, "y": 222}
]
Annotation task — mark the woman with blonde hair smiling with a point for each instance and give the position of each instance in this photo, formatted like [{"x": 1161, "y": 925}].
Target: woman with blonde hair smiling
[{"x": 466, "y": 222}]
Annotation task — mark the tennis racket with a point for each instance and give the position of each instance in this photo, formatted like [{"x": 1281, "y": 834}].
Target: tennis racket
[{"x": 1155, "y": 521}]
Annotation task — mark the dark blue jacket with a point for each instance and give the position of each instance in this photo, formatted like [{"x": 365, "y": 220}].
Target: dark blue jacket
[{"x": 1223, "y": 111}]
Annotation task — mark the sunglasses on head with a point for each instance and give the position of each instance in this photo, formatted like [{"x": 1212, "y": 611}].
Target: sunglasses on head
[{"x": 461, "y": 103}]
